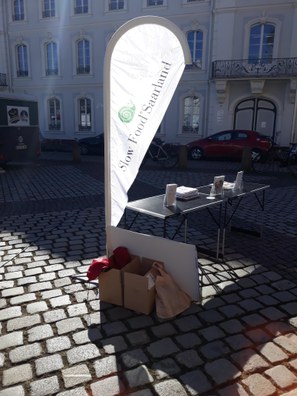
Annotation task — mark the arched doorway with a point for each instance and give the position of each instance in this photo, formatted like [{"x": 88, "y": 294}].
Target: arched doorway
[{"x": 257, "y": 114}]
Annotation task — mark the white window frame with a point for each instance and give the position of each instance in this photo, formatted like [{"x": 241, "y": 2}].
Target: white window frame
[
  {"x": 196, "y": 31},
  {"x": 181, "y": 118},
  {"x": 146, "y": 5},
  {"x": 45, "y": 59},
  {"x": 273, "y": 21},
  {"x": 78, "y": 115},
  {"x": 260, "y": 55},
  {"x": 78, "y": 14},
  {"x": 79, "y": 37},
  {"x": 197, "y": 27},
  {"x": 77, "y": 53},
  {"x": 43, "y": 10},
  {"x": 193, "y": 1},
  {"x": 13, "y": 14},
  {"x": 17, "y": 60},
  {"x": 116, "y": 10},
  {"x": 53, "y": 97}
]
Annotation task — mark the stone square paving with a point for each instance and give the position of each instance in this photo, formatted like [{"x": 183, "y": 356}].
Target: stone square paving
[{"x": 58, "y": 338}]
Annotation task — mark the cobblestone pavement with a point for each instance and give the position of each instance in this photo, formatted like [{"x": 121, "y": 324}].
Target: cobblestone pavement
[{"x": 58, "y": 338}]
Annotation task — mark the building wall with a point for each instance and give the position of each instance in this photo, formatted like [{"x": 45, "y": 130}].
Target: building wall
[
  {"x": 232, "y": 21},
  {"x": 225, "y": 25},
  {"x": 3, "y": 43}
]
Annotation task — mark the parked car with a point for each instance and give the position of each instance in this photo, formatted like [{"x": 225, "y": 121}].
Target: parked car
[
  {"x": 56, "y": 144},
  {"x": 92, "y": 145},
  {"x": 230, "y": 144}
]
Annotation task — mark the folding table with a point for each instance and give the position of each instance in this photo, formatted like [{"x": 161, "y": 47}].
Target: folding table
[{"x": 228, "y": 204}]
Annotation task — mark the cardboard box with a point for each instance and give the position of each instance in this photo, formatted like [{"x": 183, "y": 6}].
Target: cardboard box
[
  {"x": 139, "y": 292},
  {"x": 111, "y": 282}
]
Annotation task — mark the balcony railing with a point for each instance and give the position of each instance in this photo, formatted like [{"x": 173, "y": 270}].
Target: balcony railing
[
  {"x": 81, "y": 10},
  {"x": 3, "y": 80},
  {"x": 48, "y": 13},
  {"x": 18, "y": 17},
  {"x": 54, "y": 126},
  {"x": 22, "y": 73},
  {"x": 84, "y": 127},
  {"x": 262, "y": 68},
  {"x": 83, "y": 70},
  {"x": 51, "y": 72}
]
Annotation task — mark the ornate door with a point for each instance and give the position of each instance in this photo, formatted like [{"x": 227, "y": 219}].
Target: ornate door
[{"x": 256, "y": 114}]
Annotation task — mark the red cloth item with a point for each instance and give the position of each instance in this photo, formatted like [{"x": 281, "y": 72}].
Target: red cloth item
[
  {"x": 121, "y": 257},
  {"x": 97, "y": 266}
]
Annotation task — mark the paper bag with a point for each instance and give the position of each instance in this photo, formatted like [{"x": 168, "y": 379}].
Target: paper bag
[{"x": 170, "y": 299}]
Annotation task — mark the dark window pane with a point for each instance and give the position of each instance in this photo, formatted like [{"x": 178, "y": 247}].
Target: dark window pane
[
  {"x": 81, "y": 7},
  {"x": 18, "y": 10}
]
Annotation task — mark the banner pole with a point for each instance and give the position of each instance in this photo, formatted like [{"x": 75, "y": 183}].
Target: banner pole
[
  {"x": 106, "y": 106},
  {"x": 174, "y": 54}
]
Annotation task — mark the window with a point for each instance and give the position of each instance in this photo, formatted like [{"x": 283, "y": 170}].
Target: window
[
  {"x": 83, "y": 57},
  {"x": 22, "y": 60},
  {"x": 261, "y": 43},
  {"x": 237, "y": 135},
  {"x": 116, "y": 5},
  {"x": 191, "y": 116},
  {"x": 18, "y": 10},
  {"x": 54, "y": 112},
  {"x": 49, "y": 9},
  {"x": 84, "y": 111},
  {"x": 151, "y": 3},
  {"x": 51, "y": 59},
  {"x": 195, "y": 41},
  {"x": 222, "y": 137},
  {"x": 81, "y": 7}
]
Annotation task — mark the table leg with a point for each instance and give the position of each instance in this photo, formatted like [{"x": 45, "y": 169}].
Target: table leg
[
  {"x": 129, "y": 226},
  {"x": 245, "y": 230},
  {"x": 224, "y": 225},
  {"x": 186, "y": 229},
  {"x": 223, "y": 242},
  {"x": 262, "y": 214},
  {"x": 218, "y": 243}
]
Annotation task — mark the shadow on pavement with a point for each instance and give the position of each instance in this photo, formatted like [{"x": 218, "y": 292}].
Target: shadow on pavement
[{"x": 226, "y": 346}]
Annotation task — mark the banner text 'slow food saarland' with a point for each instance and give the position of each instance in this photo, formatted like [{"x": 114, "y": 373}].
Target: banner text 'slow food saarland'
[{"x": 144, "y": 62}]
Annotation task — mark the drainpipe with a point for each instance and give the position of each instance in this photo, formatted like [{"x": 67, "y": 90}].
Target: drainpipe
[
  {"x": 293, "y": 132},
  {"x": 210, "y": 52},
  {"x": 7, "y": 49}
]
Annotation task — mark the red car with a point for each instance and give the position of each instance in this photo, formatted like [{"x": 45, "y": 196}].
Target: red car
[{"x": 230, "y": 144}]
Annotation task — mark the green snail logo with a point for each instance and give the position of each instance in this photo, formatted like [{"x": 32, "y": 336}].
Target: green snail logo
[{"x": 126, "y": 113}]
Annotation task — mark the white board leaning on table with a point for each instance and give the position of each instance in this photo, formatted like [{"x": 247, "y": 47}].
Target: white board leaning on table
[{"x": 180, "y": 259}]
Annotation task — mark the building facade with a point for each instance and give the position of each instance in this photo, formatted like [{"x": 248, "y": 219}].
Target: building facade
[{"x": 243, "y": 72}]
